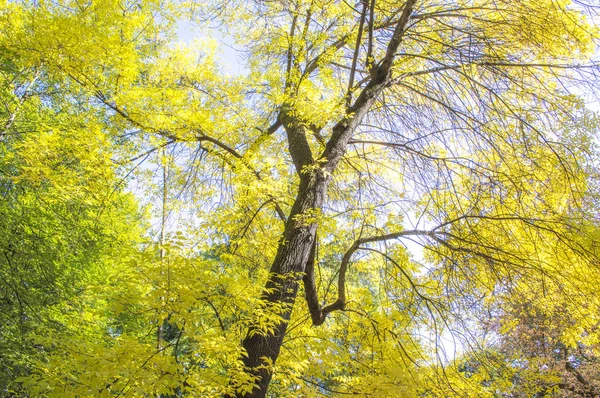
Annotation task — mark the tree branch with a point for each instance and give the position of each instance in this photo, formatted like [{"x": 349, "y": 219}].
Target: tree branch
[
  {"x": 369, "y": 61},
  {"x": 319, "y": 314},
  {"x": 356, "y": 51},
  {"x": 200, "y": 137},
  {"x": 343, "y": 130},
  {"x": 13, "y": 115}
]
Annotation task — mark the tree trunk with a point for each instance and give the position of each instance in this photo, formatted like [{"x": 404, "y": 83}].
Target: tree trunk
[{"x": 286, "y": 272}]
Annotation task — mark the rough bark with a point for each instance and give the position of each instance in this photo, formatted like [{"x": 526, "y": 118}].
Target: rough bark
[{"x": 290, "y": 262}]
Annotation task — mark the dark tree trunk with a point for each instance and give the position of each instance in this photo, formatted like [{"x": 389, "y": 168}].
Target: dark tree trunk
[{"x": 286, "y": 273}]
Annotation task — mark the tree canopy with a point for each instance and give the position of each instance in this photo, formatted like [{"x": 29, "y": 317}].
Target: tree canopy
[{"x": 391, "y": 199}]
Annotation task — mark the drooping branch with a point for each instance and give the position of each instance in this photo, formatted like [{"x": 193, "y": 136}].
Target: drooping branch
[{"x": 410, "y": 280}]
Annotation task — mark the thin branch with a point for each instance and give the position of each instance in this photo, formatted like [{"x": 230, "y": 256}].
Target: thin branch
[
  {"x": 369, "y": 61},
  {"x": 13, "y": 115},
  {"x": 356, "y": 51}
]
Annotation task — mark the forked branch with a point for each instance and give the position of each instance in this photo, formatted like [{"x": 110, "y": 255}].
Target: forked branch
[
  {"x": 319, "y": 314},
  {"x": 343, "y": 130}
]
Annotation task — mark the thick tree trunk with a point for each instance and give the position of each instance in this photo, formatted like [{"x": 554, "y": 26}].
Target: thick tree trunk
[{"x": 286, "y": 273}]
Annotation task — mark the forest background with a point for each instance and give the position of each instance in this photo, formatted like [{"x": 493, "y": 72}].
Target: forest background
[{"x": 170, "y": 229}]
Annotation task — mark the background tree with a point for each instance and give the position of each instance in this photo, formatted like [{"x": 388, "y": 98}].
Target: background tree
[
  {"x": 375, "y": 123},
  {"x": 63, "y": 216}
]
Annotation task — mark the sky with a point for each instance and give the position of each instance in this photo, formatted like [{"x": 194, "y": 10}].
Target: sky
[{"x": 232, "y": 60}]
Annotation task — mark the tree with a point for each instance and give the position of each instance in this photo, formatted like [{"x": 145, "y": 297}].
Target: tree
[
  {"x": 357, "y": 127},
  {"x": 63, "y": 217},
  {"x": 549, "y": 357}
]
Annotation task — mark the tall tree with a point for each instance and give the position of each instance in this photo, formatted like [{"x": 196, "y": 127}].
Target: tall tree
[{"x": 357, "y": 127}]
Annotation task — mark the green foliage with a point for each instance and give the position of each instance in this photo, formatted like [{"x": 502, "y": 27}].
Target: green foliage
[{"x": 64, "y": 221}]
